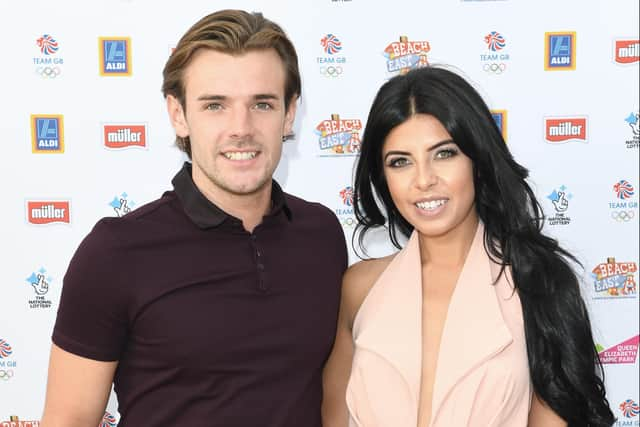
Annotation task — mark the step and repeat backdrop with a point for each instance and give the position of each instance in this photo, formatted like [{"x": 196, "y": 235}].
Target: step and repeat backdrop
[{"x": 86, "y": 135}]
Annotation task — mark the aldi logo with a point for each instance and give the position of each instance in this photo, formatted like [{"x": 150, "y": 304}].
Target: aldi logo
[
  {"x": 115, "y": 56},
  {"x": 626, "y": 51},
  {"x": 558, "y": 130},
  {"x": 48, "y": 212},
  {"x": 560, "y": 51},
  {"x": 119, "y": 136},
  {"x": 500, "y": 117},
  {"x": 47, "y": 133}
]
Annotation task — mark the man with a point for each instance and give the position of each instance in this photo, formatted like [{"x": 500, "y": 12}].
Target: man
[{"x": 215, "y": 305}]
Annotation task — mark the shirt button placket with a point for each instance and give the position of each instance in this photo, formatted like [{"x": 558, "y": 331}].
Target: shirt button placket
[{"x": 262, "y": 285}]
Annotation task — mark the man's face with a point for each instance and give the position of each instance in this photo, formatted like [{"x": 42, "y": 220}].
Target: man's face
[{"x": 235, "y": 119}]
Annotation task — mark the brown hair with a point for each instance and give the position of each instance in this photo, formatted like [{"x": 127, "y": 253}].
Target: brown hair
[{"x": 233, "y": 32}]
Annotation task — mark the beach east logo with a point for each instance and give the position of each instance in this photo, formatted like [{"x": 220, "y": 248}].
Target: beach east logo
[
  {"x": 560, "y": 51},
  {"x": 332, "y": 63},
  {"x": 613, "y": 279},
  {"x": 47, "y": 133},
  {"x": 120, "y": 136},
  {"x": 48, "y": 212},
  {"x": 339, "y": 137},
  {"x": 560, "y": 130},
  {"x": 115, "y": 56},
  {"x": 495, "y": 58},
  {"x": 14, "y": 421},
  {"x": 633, "y": 121},
  {"x": 48, "y": 63},
  {"x": 624, "y": 353},
  {"x": 121, "y": 204},
  {"x": 40, "y": 281},
  {"x": 560, "y": 198},
  {"x": 626, "y": 51},
  {"x": 405, "y": 55}
]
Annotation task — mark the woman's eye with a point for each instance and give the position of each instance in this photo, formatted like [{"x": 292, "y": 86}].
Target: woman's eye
[
  {"x": 446, "y": 153},
  {"x": 398, "y": 162}
]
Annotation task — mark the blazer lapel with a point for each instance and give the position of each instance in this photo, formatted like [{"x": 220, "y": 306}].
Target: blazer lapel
[{"x": 474, "y": 329}]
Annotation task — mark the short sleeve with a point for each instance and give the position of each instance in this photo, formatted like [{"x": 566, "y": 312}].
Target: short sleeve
[{"x": 92, "y": 319}]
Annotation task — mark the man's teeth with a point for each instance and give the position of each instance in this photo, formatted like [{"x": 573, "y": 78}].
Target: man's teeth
[
  {"x": 431, "y": 205},
  {"x": 240, "y": 155}
]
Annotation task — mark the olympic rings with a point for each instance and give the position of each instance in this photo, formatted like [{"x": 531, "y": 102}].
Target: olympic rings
[
  {"x": 48, "y": 72},
  {"x": 622, "y": 215},
  {"x": 348, "y": 221},
  {"x": 5, "y": 375},
  {"x": 331, "y": 71},
  {"x": 495, "y": 68}
]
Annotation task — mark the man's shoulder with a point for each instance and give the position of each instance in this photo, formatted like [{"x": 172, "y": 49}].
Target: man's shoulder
[{"x": 305, "y": 207}]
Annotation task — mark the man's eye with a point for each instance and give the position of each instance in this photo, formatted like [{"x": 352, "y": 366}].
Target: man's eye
[
  {"x": 214, "y": 106},
  {"x": 263, "y": 106}
]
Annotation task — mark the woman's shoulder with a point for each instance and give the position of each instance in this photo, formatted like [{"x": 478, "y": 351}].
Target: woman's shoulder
[{"x": 358, "y": 281}]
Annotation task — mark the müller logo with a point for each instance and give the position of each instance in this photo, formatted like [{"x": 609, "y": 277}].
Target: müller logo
[
  {"x": 626, "y": 51},
  {"x": 48, "y": 212},
  {"x": 119, "y": 136},
  {"x": 559, "y": 130}
]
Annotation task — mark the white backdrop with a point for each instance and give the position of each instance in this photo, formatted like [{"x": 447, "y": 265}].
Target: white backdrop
[{"x": 562, "y": 78}]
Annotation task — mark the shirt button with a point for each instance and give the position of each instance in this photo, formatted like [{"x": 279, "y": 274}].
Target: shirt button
[
  {"x": 260, "y": 266},
  {"x": 253, "y": 237}
]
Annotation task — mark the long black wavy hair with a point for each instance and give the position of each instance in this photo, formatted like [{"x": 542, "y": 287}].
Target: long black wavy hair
[{"x": 565, "y": 369}]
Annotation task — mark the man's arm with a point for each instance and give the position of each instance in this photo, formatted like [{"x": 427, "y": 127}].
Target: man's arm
[{"x": 77, "y": 390}]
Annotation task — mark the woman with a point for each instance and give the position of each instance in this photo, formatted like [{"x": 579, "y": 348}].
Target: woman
[{"x": 478, "y": 320}]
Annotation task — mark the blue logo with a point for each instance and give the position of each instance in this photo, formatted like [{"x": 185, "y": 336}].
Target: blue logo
[
  {"x": 122, "y": 205},
  {"x": 560, "y": 51},
  {"x": 47, "y": 134},
  {"x": 115, "y": 56}
]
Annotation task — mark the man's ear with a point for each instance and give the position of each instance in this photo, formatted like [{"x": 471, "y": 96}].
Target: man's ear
[
  {"x": 290, "y": 117},
  {"x": 176, "y": 116}
]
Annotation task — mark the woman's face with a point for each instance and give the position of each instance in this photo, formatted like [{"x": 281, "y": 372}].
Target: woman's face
[{"x": 429, "y": 178}]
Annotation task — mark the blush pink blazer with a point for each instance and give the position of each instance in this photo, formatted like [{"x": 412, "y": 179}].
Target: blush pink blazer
[{"x": 482, "y": 375}]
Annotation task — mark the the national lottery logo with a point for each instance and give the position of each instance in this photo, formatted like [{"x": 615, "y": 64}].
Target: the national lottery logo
[
  {"x": 626, "y": 51},
  {"x": 108, "y": 420},
  {"x": 560, "y": 51},
  {"x": 624, "y": 353},
  {"x": 40, "y": 281},
  {"x": 332, "y": 63},
  {"x": 624, "y": 208},
  {"x": 339, "y": 137},
  {"x": 115, "y": 56},
  {"x": 633, "y": 121},
  {"x": 613, "y": 279},
  {"x": 121, "y": 204},
  {"x": 345, "y": 211},
  {"x": 40, "y": 212},
  {"x": 560, "y": 198},
  {"x": 500, "y": 118},
  {"x": 629, "y": 408},
  {"x": 494, "y": 61},
  {"x": 47, "y": 133},
  {"x": 559, "y": 130},
  {"x": 120, "y": 136},
  {"x": 14, "y": 421},
  {"x": 48, "y": 63},
  {"x": 405, "y": 55}
]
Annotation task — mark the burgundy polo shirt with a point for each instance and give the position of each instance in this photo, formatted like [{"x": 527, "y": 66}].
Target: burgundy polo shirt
[{"x": 211, "y": 325}]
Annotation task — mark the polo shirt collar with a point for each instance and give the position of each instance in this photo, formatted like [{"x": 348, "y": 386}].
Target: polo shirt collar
[{"x": 204, "y": 213}]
